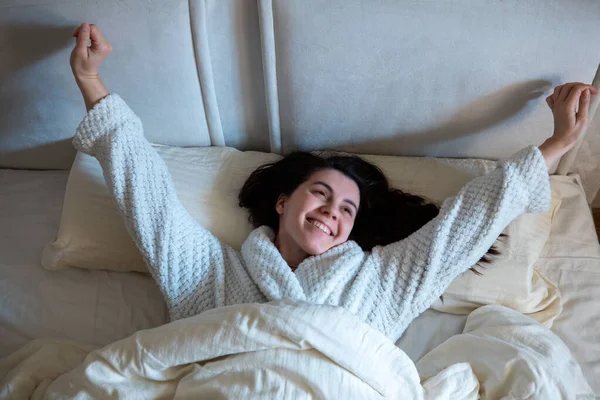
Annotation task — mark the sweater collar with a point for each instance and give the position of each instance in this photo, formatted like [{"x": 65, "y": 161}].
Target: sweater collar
[
  {"x": 267, "y": 267},
  {"x": 273, "y": 275}
]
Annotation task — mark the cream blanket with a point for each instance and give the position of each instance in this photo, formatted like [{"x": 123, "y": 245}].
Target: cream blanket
[{"x": 299, "y": 350}]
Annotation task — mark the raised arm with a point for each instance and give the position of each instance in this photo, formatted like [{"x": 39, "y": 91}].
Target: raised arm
[
  {"x": 185, "y": 259},
  {"x": 425, "y": 263},
  {"x": 414, "y": 272}
]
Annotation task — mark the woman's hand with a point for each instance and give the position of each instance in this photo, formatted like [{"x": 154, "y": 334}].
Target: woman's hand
[
  {"x": 569, "y": 104},
  {"x": 86, "y": 62}
]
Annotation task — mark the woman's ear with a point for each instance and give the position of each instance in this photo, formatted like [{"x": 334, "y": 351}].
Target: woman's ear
[{"x": 280, "y": 205}]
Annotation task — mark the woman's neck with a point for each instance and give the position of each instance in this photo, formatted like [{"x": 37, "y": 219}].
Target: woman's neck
[{"x": 290, "y": 251}]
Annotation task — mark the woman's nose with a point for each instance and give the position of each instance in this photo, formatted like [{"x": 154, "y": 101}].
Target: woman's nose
[{"x": 328, "y": 211}]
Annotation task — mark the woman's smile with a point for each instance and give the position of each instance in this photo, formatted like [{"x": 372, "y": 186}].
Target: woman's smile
[{"x": 321, "y": 227}]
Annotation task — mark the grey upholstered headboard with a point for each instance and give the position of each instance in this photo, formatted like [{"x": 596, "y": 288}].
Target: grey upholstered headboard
[{"x": 452, "y": 78}]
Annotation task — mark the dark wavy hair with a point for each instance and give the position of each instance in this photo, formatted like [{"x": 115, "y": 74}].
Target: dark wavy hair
[{"x": 385, "y": 215}]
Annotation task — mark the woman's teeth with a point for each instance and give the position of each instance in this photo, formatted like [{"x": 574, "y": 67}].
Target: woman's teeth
[{"x": 320, "y": 226}]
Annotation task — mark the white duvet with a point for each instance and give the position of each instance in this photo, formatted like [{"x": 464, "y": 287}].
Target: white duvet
[{"x": 294, "y": 350}]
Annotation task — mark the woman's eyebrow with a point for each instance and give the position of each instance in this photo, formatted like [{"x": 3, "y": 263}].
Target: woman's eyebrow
[{"x": 331, "y": 190}]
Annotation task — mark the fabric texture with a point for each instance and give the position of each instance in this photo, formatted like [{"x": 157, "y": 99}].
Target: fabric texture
[
  {"x": 98, "y": 307},
  {"x": 386, "y": 288},
  {"x": 36, "y": 127},
  {"x": 278, "y": 350},
  {"x": 512, "y": 356},
  {"x": 512, "y": 279},
  {"x": 87, "y": 306},
  {"x": 384, "y": 77},
  {"x": 92, "y": 234},
  {"x": 287, "y": 349},
  {"x": 571, "y": 259},
  {"x": 207, "y": 180},
  {"x": 391, "y": 77}
]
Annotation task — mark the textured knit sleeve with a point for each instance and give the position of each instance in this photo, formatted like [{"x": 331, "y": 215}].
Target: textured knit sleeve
[
  {"x": 412, "y": 273},
  {"x": 185, "y": 259}
]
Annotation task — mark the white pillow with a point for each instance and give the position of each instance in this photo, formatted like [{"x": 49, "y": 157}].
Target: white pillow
[
  {"x": 512, "y": 279},
  {"x": 208, "y": 179},
  {"x": 92, "y": 234}
]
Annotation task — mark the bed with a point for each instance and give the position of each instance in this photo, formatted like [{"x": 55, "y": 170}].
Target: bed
[
  {"x": 264, "y": 79},
  {"x": 100, "y": 307}
]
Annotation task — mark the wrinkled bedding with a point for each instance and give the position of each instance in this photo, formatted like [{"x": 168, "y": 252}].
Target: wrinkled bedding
[
  {"x": 99, "y": 307},
  {"x": 287, "y": 349}
]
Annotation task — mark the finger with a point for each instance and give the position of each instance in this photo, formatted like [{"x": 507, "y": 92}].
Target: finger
[
  {"x": 83, "y": 37},
  {"x": 584, "y": 105},
  {"x": 556, "y": 92},
  {"x": 95, "y": 33},
  {"x": 550, "y": 102},
  {"x": 573, "y": 99},
  {"x": 98, "y": 40},
  {"x": 566, "y": 91}
]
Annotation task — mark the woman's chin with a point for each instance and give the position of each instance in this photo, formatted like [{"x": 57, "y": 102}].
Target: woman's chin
[
  {"x": 314, "y": 247},
  {"x": 315, "y": 242}
]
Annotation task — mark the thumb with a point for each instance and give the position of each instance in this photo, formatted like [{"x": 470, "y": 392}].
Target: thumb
[{"x": 83, "y": 37}]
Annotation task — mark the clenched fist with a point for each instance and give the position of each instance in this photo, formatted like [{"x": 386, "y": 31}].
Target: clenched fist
[
  {"x": 569, "y": 104},
  {"x": 86, "y": 60}
]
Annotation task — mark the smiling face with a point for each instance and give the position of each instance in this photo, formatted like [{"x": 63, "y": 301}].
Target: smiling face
[{"x": 317, "y": 216}]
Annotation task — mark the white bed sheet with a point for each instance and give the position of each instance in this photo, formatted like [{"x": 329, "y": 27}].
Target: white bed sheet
[
  {"x": 95, "y": 307},
  {"x": 571, "y": 260},
  {"x": 99, "y": 307}
]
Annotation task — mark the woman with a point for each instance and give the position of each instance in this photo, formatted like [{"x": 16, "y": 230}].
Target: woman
[{"x": 304, "y": 248}]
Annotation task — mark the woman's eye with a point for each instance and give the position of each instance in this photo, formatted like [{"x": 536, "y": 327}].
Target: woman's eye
[
  {"x": 348, "y": 211},
  {"x": 321, "y": 193}
]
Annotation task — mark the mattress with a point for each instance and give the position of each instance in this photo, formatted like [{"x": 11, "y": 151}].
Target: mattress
[{"x": 99, "y": 307}]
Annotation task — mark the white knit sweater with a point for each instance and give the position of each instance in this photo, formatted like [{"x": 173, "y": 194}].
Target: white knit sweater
[{"x": 387, "y": 287}]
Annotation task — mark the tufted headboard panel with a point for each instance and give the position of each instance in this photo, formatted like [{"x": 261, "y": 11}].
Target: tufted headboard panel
[{"x": 451, "y": 78}]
